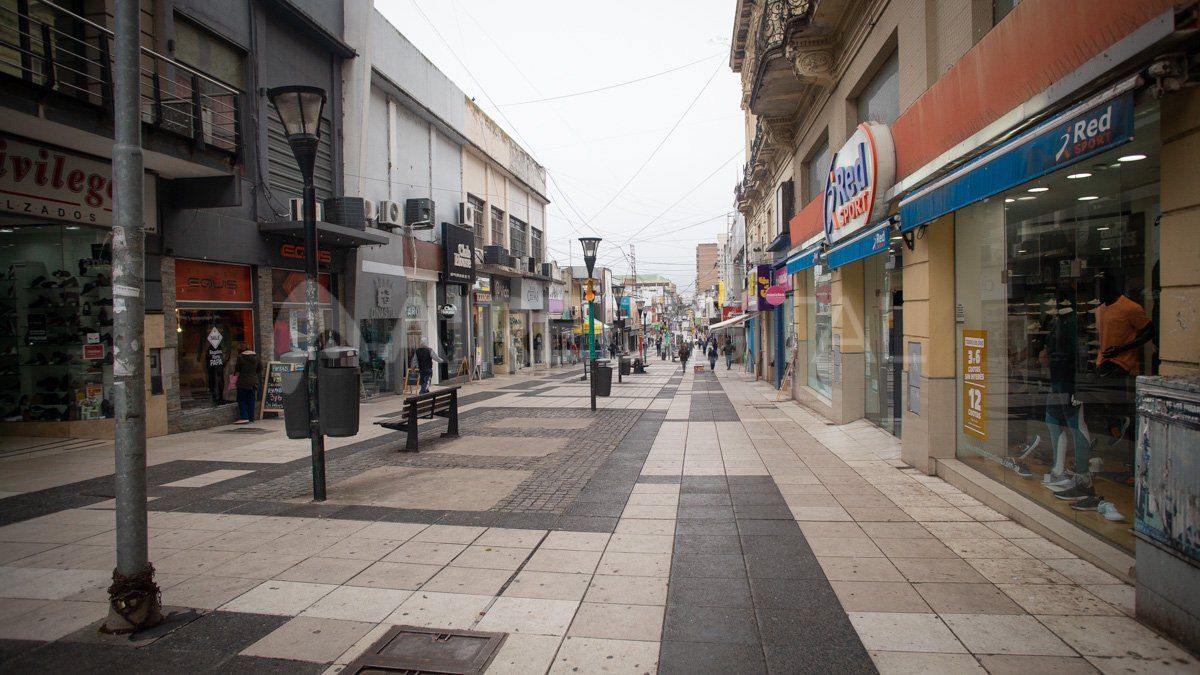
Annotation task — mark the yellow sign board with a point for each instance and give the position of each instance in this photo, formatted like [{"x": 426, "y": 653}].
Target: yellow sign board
[{"x": 975, "y": 383}]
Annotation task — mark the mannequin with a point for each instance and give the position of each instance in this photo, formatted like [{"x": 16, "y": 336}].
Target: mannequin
[
  {"x": 213, "y": 357},
  {"x": 1062, "y": 418},
  {"x": 1124, "y": 327}
]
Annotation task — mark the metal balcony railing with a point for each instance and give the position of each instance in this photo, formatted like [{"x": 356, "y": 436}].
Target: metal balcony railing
[
  {"x": 774, "y": 22},
  {"x": 57, "y": 50}
]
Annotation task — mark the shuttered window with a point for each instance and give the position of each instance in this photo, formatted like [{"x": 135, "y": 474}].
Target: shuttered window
[
  {"x": 497, "y": 227},
  {"x": 283, "y": 175},
  {"x": 535, "y": 244},
  {"x": 476, "y": 220},
  {"x": 516, "y": 237}
]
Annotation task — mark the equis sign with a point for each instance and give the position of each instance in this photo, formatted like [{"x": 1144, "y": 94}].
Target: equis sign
[{"x": 861, "y": 171}]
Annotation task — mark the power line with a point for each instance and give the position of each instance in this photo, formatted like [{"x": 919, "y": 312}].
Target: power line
[
  {"x": 689, "y": 192},
  {"x": 660, "y": 143},
  {"x": 611, "y": 86}
]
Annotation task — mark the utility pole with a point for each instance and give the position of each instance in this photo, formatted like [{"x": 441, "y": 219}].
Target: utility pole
[
  {"x": 134, "y": 601},
  {"x": 633, "y": 271}
]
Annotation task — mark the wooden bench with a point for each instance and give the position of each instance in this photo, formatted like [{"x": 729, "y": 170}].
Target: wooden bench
[{"x": 440, "y": 403}]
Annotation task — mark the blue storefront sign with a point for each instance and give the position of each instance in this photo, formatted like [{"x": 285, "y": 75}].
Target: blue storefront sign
[
  {"x": 802, "y": 261},
  {"x": 1070, "y": 138},
  {"x": 875, "y": 240}
]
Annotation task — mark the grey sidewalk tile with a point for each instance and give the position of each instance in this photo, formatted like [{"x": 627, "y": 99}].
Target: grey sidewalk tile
[
  {"x": 731, "y": 625},
  {"x": 708, "y": 565},
  {"x": 700, "y": 658},
  {"x": 709, "y": 592},
  {"x": 707, "y": 543},
  {"x": 706, "y": 526}
]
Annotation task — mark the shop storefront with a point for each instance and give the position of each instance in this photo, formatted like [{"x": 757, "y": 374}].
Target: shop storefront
[
  {"x": 559, "y": 325},
  {"x": 458, "y": 277},
  {"x": 883, "y": 336},
  {"x": 527, "y": 306},
  {"x": 289, "y": 313},
  {"x": 481, "y": 308},
  {"x": 215, "y": 320},
  {"x": 779, "y": 295},
  {"x": 378, "y": 304},
  {"x": 418, "y": 320},
  {"x": 819, "y": 329},
  {"x": 1057, "y": 287},
  {"x": 500, "y": 338}
]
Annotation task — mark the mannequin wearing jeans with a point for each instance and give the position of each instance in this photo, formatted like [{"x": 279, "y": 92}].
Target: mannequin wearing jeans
[{"x": 1062, "y": 417}]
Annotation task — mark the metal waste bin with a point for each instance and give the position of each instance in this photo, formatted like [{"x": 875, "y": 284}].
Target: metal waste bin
[
  {"x": 337, "y": 390},
  {"x": 295, "y": 396},
  {"x": 603, "y": 374},
  {"x": 625, "y": 364}
]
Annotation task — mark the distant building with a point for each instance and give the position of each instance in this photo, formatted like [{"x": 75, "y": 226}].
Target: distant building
[{"x": 706, "y": 266}]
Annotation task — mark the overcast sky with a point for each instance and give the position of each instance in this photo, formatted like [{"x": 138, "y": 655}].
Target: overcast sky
[{"x": 510, "y": 53}]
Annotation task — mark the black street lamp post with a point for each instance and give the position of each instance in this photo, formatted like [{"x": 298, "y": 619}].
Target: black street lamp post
[
  {"x": 590, "y": 244},
  {"x": 300, "y": 110}
]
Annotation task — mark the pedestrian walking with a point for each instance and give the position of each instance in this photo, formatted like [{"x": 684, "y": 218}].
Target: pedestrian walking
[
  {"x": 728, "y": 349},
  {"x": 424, "y": 358},
  {"x": 248, "y": 372},
  {"x": 685, "y": 350},
  {"x": 712, "y": 356}
]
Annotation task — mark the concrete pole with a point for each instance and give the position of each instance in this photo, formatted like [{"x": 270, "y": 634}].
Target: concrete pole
[{"x": 134, "y": 597}]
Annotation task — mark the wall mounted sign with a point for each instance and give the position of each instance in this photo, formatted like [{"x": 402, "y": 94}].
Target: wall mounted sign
[
  {"x": 458, "y": 249},
  {"x": 44, "y": 183},
  {"x": 859, "y": 175},
  {"x": 1083, "y": 132},
  {"x": 775, "y": 295},
  {"x": 197, "y": 281},
  {"x": 483, "y": 297},
  {"x": 758, "y": 284},
  {"x": 557, "y": 298},
  {"x": 527, "y": 294},
  {"x": 296, "y": 252},
  {"x": 975, "y": 383},
  {"x": 447, "y": 311}
]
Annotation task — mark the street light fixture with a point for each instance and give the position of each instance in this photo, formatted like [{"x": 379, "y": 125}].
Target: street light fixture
[
  {"x": 590, "y": 244},
  {"x": 300, "y": 109}
]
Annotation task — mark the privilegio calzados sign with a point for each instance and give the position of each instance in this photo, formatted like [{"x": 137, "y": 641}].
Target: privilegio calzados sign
[
  {"x": 46, "y": 183},
  {"x": 859, "y": 173}
]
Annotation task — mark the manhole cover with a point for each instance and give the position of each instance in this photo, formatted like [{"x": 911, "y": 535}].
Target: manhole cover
[
  {"x": 245, "y": 430},
  {"x": 412, "y": 650}
]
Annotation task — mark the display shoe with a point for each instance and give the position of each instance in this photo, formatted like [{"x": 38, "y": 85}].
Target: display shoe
[
  {"x": 1057, "y": 482},
  {"x": 1025, "y": 451},
  {"x": 1088, "y": 503},
  {"x": 1022, "y": 469},
  {"x": 1110, "y": 512},
  {"x": 1076, "y": 493}
]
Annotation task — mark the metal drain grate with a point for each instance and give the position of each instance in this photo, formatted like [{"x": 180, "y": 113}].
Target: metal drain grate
[
  {"x": 244, "y": 430},
  {"x": 412, "y": 650}
]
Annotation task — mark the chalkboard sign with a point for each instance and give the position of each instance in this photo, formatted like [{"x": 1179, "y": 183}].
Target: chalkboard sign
[{"x": 272, "y": 398}]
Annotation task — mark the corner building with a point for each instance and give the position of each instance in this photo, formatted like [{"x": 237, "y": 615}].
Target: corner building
[{"x": 1011, "y": 201}]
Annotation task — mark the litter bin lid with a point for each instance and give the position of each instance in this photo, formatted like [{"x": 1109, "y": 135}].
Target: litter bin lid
[{"x": 338, "y": 353}]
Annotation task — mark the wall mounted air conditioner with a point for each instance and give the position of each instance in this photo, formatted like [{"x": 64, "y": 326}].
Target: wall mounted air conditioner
[
  {"x": 389, "y": 215},
  {"x": 370, "y": 212},
  {"x": 418, "y": 213},
  {"x": 296, "y": 209},
  {"x": 467, "y": 214}
]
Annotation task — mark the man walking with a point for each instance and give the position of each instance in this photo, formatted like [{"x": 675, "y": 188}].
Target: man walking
[
  {"x": 728, "y": 349},
  {"x": 425, "y": 358},
  {"x": 685, "y": 350}
]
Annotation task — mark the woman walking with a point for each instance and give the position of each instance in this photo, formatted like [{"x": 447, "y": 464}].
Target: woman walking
[{"x": 249, "y": 371}]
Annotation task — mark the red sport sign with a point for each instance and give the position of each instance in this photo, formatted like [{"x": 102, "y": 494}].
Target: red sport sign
[{"x": 861, "y": 171}]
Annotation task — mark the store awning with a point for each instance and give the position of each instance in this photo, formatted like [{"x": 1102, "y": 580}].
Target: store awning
[
  {"x": 328, "y": 234},
  {"x": 729, "y": 323},
  {"x": 582, "y": 327},
  {"x": 875, "y": 240},
  {"x": 803, "y": 260}
]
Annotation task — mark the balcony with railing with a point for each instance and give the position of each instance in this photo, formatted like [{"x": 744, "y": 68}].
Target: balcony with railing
[
  {"x": 56, "y": 53},
  {"x": 774, "y": 86}
]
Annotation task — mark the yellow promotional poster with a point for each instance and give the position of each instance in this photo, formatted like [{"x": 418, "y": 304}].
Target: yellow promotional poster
[{"x": 975, "y": 383}]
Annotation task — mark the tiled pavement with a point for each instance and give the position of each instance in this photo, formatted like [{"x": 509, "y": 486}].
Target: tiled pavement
[{"x": 722, "y": 532}]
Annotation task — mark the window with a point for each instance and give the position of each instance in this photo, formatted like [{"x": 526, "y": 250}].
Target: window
[
  {"x": 283, "y": 175},
  {"x": 1001, "y": 8},
  {"x": 820, "y": 331},
  {"x": 535, "y": 243},
  {"x": 209, "y": 54},
  {"x": 880, "y": 100},
  {"x": 816, "y": 171},
  {"x": 476, "y": 219},
  {"x": 497, "y": 227},
  {"x": 516, "y": 237}
]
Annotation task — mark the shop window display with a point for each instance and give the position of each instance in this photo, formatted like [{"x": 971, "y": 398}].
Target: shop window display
[
  {"x": 1057, "y": 292},
  {"x": 209, "y": 342},
  {"x": 820, "y": 331},
  {"x": 55, "y": 322},
  {"x": 290, "y": 311}
]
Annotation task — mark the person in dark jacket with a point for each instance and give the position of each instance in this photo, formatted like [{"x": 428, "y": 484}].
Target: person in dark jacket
[
  {"x": 249, "y": 371},
  {"x": 728, "y": 349},
  {"x": 685, "y": 351},
  {"x": 424, "y": 356},
  {"x": 712, "y": 355}
]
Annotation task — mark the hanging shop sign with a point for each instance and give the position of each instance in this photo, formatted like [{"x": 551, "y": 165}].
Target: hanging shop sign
[
  {"x": 776, "y": 295},
  {"x": 783, "y": 278},
  {"x": 447, "y": 311},
  {"x": 1087, "y": 130},
  {"x": 757, "y": 285},
  {"x": 557, "y": 298},
  {"x": 527, "y": 294},
  {"x": 458, "y": 248},
  {"x": 197, "y": 281},
  {"x": 975, "y": 383},
  {"x": 42, "y": 182},
  {"x": 859, "y": 175}
]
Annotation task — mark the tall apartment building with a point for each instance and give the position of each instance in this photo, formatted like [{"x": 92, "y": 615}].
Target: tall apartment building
[
  {"x": 951, "y": 194},
  {"x": 706, "y": 267}
]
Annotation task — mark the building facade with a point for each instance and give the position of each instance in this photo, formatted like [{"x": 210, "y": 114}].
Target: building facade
[
  {"x": 706, "y": 266},
  {"x": 985, "y": 238}
]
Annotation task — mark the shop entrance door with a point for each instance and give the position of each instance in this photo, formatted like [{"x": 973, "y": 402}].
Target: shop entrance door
[{"x": 883, "y": 333}]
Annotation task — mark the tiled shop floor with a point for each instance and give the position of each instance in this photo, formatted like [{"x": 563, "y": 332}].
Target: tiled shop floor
[{"x": 727, "y": 533}]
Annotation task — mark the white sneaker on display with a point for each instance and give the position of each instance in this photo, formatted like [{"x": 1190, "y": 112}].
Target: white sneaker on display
[
  {"x": 1110, "y": 512},
  {"x": 1030, "y": 448},
  {"x": 1057, "y": 482}
]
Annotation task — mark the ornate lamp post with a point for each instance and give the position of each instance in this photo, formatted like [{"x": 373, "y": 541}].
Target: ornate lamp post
[
  {"x": 300, "y": 109},
  {"x": 590, "y": 244}
]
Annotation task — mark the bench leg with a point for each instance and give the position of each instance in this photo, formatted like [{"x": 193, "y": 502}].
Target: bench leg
[
  {"x": 411, "y": 444},
  {"x": 452, "y": 426}
]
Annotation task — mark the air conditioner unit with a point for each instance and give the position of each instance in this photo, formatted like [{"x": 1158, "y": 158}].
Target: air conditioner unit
[
  {"x": 369, "y": 210},
  {"x": 418, "y": 213},
  {"x": 467, "y": 214},
  {"x": 390, "y": 215},
  {"x": 346, "y": 211},
  {"x": 495, "y": 255},
  {"x": 296, "y": 209},
  {"x": 547, "y": 269},
  {"x": 531, "y": 265}
]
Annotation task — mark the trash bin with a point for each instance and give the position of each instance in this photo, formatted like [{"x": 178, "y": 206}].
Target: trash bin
[
  {"x": 295, "y": 396},
  {"x": 337, "y": 390},
  {"x": 625, "y": 365},
  {"x": 603, "y": 374}
]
